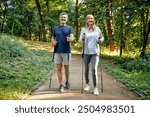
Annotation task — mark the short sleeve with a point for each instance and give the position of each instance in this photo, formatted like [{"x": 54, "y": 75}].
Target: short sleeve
[{"x": 71, "y": 30}]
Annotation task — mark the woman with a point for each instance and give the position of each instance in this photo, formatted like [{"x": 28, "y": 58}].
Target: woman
[{"x": 91, "y": 37}]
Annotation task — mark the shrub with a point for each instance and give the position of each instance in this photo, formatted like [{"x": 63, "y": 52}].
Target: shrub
[
  {"x": 11, "y": 48},
  {"x": 21, "y": 69},
  {"x": 137, "y": 64}
]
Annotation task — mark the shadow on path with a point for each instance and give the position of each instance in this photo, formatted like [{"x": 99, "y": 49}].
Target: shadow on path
[{"x": 113, "y": 90}]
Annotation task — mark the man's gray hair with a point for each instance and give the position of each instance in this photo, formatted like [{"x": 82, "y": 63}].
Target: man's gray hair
[{"x": 64, "y": 13}]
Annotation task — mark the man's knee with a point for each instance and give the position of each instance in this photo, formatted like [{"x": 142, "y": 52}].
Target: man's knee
[{"x": 59, "y": 67}]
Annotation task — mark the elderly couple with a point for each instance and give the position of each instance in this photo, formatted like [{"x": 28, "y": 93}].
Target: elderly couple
[{"x": 90, "y": 36}]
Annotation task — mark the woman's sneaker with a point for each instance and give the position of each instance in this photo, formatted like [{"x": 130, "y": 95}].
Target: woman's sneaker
[
  {"x": 87, "y": 88},
  {"x": 96, "y": 92},
  {"x": 61, "y": 88}
]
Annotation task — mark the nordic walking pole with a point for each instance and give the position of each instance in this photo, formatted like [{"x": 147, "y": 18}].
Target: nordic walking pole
[
  {"x": 52, "y": 61},
  {"x": 101, "y": 67},
  {"x": 53, "y": 51},
  {"x": 83, "y": 60}
]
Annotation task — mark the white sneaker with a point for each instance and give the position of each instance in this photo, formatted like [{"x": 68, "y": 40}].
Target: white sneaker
[
  {"x": 87, "y": 88},
  {"x": 96, "y": 92},
  {"x": 61, "y": 88}
]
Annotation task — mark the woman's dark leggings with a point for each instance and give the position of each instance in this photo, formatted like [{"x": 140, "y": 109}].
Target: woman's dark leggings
[{"x": 94, "y": 58}]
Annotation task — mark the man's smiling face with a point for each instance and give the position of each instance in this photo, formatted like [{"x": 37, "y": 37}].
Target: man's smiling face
[{"x": 63, "y": 19}]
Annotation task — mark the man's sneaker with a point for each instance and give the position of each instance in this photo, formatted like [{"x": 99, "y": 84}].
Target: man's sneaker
[
  {"x": 61, "y": 88},
  {"x": 67, "y": 85},
  {"x": 96, "y": 92},
  {"x": 87, "y": 88}
]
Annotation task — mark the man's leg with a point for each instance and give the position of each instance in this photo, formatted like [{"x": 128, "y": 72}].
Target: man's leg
[
  {"x": 59, "y": 73},
  {"x": 58, "y": 61},
  {"x": 67, "y": 76},
  {"x": 67, "y": 72},
  {"x": 67, "y": 61},
  {"x": 60, "y": 79}
]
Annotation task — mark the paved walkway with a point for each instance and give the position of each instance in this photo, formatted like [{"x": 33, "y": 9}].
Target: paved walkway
[{"x": 113, "y": 90}]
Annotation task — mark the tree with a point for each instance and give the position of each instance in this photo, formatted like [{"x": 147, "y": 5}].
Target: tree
[
  {"x": 110, "y": 27},
  {"x": 145, "y": 19},
  {"x": 77, "y": 17},
  {"x": 121, "y": 35},
  {"x": 48, "y": 14},
  {"x": 42, "y": 26},
  {"x": 3, "y": 5}
]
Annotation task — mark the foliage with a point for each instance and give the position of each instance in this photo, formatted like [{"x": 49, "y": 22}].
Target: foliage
[
  {"x": 22, "y": 19},
  {"x": 11, "y": 48},
  {"x": 20, "y": 74},
  {"x": 134, "y": 72},
  {"x": 138, "y": 65}
]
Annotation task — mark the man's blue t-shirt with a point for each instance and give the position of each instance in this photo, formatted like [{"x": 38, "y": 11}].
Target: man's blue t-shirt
[{"x": 60, "y": 33}]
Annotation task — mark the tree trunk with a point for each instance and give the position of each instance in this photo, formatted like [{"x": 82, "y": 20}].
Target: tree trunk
[
  {"x": 110, "y": 27},
  {"x": 104, "y": 29},
  {"x": 77, "y": 20},
  {"x": 121, "y": 29},
  {"x": 29, "y": 27},
  {"x": 43, "y": 32},
  {"x": 3, "y": 20},
  {"x": 12, "y": 29},
  {"x": 48, "y": 13},
  {"x": 39, "y": 34},
  {"x": 146, "y": 30}
]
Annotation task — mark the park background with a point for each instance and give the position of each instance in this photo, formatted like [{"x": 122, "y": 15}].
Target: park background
[{"x": 25, "y": 33}]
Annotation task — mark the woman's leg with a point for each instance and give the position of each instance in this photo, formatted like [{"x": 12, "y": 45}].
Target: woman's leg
[
  {"x": 94, "y": 60},
  {"x": 86, "y": 63}
]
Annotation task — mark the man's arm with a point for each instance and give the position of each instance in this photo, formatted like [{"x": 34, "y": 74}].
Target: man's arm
[
  {"x": 70, "y": 38},
  {"x": 53, "y": 41}
]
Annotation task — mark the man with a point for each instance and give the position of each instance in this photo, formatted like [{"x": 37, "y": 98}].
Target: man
[{"x": 61, "y": 38}]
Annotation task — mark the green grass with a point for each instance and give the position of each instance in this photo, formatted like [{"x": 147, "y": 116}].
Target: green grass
[
  {"x": 133, "y": 72},
  {"x": 21, "y": 69},
  {"x": 129, "y": 69}
]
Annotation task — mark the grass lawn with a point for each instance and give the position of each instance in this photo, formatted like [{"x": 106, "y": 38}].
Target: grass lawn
[{"x": 22, "y": 68}]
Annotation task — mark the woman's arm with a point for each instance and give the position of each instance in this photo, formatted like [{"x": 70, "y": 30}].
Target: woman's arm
[{"x": 82, "y": 36}]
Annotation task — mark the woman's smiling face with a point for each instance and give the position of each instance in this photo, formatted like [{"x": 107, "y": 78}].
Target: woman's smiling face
[{"x": 90, "y": 20}]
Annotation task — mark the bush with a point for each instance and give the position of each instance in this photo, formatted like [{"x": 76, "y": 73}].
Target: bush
[
  {"x": 11, "y": 48},
  {"x": 137, "y": 64},
  {"x": 22, "y": 74},
  {"x": 21, "y": 69},
  {"x": 131, "y": 64},
  {"x": 134, "y": 72}
]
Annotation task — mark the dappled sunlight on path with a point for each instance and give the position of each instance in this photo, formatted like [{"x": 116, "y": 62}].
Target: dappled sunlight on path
[{"x": 113, "y": 90}]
